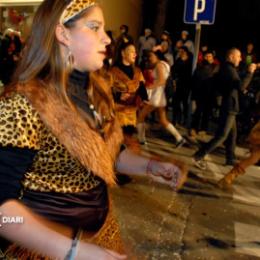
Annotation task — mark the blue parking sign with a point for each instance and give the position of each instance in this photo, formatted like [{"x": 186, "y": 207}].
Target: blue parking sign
[{"x": 200, "y": 11}]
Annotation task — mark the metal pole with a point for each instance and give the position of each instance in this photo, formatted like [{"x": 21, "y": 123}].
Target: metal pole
[
  {"x": 196, "y": 47},
  {"x": 191, "y": 102}
]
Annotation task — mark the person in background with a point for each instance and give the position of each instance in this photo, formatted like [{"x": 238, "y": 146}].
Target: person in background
[
  {"x": 128, "y": 89},
  {"x": 249, "y": 55},
  {"x": 124, "y": 37},
  {"x": 60, "y": 141},
  {"x": 130, "y": 96},
  {"x": 203, "y": 49},
  {"x": 146, "y": 43},
  {"x": 203, "y": 92},
  {"x": 182, "y": 81},
  {"x": 160, "y": 71},
  {"x": 165, "y": 47},
  {"x": 187, "y": 41},
  {"x": 230, "y": 85},
  {"x": 176, "y": 51},
  {"x": 11, "y": 49}
]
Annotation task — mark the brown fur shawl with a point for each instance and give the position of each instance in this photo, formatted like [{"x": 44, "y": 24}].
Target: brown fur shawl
[{"x": 83, "y": 143}]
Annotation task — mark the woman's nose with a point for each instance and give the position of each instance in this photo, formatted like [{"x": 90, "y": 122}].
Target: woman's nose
[{"x": 106, "y": 40}]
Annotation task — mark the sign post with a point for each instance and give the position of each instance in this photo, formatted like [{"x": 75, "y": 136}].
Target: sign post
[
  {"x": 196, "y": 47},
  {"x": 199, "y": 12}
]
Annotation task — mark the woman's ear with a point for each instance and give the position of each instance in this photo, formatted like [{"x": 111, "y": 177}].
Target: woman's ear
[{"x": 62, "y": 35}]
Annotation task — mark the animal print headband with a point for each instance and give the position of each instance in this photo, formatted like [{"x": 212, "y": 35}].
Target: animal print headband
[{"x": 74, "y": 8}]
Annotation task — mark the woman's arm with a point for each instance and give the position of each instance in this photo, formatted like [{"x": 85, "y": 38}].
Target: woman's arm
[
  {"x": 172, "y": 173},
  {"x": 34, "y": 233},
  {"x": 44, "y": 237}
]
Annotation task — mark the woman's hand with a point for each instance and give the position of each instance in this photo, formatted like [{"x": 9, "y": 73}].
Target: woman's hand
[{"x": 164, "y": 172}]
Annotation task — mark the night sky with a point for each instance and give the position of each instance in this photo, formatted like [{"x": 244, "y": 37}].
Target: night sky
[{"x": 236, "y": 23}]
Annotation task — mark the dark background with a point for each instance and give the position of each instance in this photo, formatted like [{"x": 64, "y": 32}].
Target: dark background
[{"x": 236, "y": 23}]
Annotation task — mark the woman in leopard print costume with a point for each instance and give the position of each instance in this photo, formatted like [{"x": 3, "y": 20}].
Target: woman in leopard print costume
[{"x": 60, "y": 141}]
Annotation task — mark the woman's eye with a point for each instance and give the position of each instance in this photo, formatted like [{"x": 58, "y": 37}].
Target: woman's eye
[{"x": 93, "y": 27}]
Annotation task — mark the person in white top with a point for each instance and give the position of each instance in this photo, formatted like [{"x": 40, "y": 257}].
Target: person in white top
[{"x": 157, "y": 98}]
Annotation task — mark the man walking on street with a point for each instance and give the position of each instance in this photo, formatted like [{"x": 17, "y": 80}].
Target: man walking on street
[{"x": 230, "y": 84}]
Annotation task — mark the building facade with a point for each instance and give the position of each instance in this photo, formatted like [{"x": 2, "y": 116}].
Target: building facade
[{"x": 18, "y": 14}]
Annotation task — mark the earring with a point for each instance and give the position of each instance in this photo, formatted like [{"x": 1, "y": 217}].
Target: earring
[{"x": 69, "y": 61}]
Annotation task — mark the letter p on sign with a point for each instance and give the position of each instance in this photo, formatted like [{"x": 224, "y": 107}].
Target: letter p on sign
[{"x": 199, "y": 7}]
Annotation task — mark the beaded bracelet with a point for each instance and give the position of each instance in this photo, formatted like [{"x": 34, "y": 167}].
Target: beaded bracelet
[{"x": 73, "y": 249}]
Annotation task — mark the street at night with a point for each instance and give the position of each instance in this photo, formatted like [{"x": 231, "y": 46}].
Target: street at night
[{"x": 129, "y": 130}]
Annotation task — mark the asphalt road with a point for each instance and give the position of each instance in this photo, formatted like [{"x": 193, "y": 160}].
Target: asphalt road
[{"x": 200, "y": 221}]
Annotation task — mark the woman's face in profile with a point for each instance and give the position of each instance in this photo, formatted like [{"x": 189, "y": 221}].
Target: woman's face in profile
[
  {"x": 129, "y": 54},
  {"x": 88, "y": 40}
]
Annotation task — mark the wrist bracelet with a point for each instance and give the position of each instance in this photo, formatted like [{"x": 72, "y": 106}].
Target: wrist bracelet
[{"x": 73, "y": 249}]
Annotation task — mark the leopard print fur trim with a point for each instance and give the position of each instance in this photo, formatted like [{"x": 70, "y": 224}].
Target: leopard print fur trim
[
  {"x": 83, "y": 143},
  {"x": 74, "y": 8}
]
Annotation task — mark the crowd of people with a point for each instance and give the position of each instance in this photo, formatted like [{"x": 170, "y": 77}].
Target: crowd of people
[
  {"x": 73, "y": 117},
  {"x": 10, "y": 49},
  {"x": 197, "y": 97}
]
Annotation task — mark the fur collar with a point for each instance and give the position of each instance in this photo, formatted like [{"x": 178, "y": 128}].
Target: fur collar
[{"x": 83, "y": 143}]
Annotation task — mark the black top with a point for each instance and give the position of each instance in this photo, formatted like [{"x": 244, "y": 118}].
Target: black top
[
  {"x": 230, "y": 84},
  {"x": 13, "y": 164},
  {"x": 127, "y": 69},
  {"x": 77, "y": 91}
]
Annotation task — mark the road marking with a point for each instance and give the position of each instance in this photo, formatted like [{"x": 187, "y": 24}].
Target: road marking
[{"x": 247, "y": 239}]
